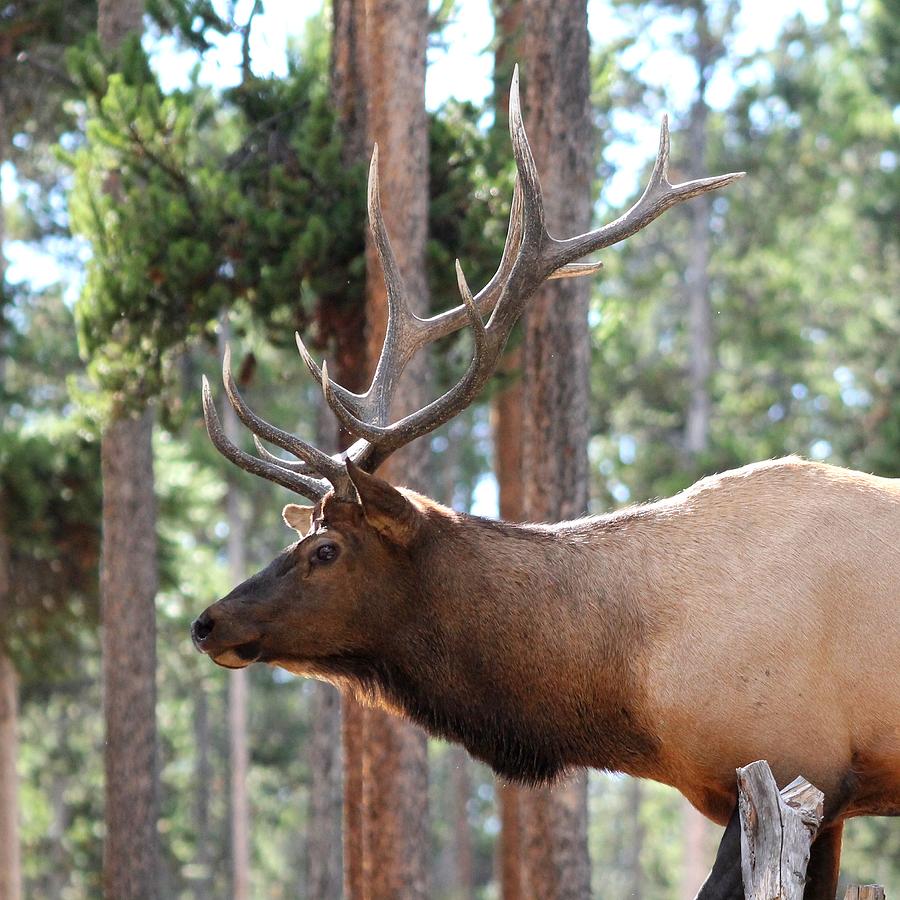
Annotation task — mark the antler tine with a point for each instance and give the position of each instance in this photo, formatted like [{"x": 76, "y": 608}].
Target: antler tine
[
  {"x": 393, "y": 280},
  {"x": 403, "y": 335},
  {"x": 311, "y": 488},
  {"x": 294, "y": 466},
  {"x": 658, "y": 196},
  {"x": 351, "y": 400},
  {"x": 533, "y": 230},
  {"x": 318, "y": 461},
  {"x": 388, "y": 438}
]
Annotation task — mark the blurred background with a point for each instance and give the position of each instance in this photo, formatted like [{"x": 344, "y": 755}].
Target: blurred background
[{"x": 199, "y": 179}]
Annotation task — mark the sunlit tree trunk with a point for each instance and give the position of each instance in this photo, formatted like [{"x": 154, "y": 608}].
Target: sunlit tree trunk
[
  {"x": 324, "y": 874},
  {"x": 706, "y": 50},
  {"x": 347, "y": 330},
  {"x": 461, "y": 792},
  {"x": 696, "y": 437},
  {"x": 128, "y": 587},
  {"x": 203, "y": 776},
  {"x": 556, "y": 368},
  {"x": 395, "y": 767},
  {"x": 506, "y": 423},
  {"x": 634, "y": 870}
]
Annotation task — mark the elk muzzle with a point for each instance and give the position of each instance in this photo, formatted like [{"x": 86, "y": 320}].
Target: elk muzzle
[{"x": 213, "y": 636}]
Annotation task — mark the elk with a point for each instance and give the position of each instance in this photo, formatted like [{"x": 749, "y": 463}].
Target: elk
[{"x": 755, "y": 615}]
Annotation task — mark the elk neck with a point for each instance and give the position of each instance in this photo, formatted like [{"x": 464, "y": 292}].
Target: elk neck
[{"x": 521, "y": 642}]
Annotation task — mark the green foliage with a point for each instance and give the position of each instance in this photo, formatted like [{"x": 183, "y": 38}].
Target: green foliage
[
  {"x": 190, "y": 208},
  {"x": 50, "y": 496},
  {"x": 805, "y": 329},
  {"x": 49, "y": 489}
]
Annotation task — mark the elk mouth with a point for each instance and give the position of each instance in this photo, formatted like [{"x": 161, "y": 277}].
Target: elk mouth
[{"x": 238, "y": 657}]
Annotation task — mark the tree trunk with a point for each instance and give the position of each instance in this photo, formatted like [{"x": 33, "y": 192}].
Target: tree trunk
[
  {"x": 700, "y": 328},
  {"x": 128, "y": 586},
  {"x": 696, "y": 828},
  {"x": 203, "y": 775},
  {"x": 324, "y": 876},
  {"x": 238, "y": 753},
  {"x": 10, "y": 863},
  {"x": 352, "y": 740},
  {"x": 506, "y": 422},
  {"x": 324, "y": 879},
  {"x": 699, "y": 414},
  {"x": 556, "y": 369},
  {"x": 461, "y": 790},
  {"x": 633, "y": 865},
  {"x": 347, "y": 330},
  {"x": 348, "y": 66},
  {"x": 395, "y": 767}
]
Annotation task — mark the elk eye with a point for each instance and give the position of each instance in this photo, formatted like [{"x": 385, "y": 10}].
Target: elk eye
[{"x": 325, "y": 553}]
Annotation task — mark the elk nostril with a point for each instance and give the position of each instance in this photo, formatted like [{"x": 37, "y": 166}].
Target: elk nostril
[{"x": 202, "y": 627}]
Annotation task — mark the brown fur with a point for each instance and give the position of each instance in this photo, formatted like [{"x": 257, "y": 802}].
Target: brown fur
[{"x": 754, "y": 616}]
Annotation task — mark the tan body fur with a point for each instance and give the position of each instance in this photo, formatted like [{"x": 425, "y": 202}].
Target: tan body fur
[
  {"x": 771, "y": 597},
  {"x": 755, "y": 615}
]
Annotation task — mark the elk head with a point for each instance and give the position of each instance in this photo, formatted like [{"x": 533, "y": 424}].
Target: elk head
[{"x": 324, "y": 596}]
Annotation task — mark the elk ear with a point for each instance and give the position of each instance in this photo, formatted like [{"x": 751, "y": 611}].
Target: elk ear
[
  {"x": 298, "y": 517},
  {"x": 390, "y": 513}
]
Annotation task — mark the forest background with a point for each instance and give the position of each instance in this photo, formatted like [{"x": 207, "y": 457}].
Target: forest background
[{"x": 163, "y": 191}]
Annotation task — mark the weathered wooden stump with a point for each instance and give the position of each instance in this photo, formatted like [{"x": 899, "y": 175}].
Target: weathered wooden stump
[
  {"x": 865, "y": 892},
  {"x": 776, "y": 832}
]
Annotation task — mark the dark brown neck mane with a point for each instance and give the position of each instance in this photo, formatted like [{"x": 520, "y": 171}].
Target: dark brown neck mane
[{"x": 513, "y": 632}]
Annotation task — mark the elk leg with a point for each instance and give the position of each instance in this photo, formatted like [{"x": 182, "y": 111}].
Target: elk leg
[
  {"x": 724, "y": 881},
  {"x": 824, "y": 864}
]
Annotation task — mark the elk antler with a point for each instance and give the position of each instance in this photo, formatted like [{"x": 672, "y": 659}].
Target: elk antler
[{"x": 530, "y": 257}]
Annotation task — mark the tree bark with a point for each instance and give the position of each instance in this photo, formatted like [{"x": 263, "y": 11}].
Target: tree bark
[
  {"x": 699, "y": 414},
  {"x": 506, "y": 423},
  {"x": 128, "y": 587},
  {"x": 324, "y": 873},
  {"x": 696, "y": 832},
  {"x": 347, "y": 330},
  {"x": 556, "y": 374},
  {"x": 633, "y": 863},
  {"x": 348, "y": 65},
  {"x": 395, "y": 766},
  {"x": 700, "y": 327},
  {"x": 461, "y": 790},
  {"x": 10, "y": 862},
  {"x": 203, "y": 775}
]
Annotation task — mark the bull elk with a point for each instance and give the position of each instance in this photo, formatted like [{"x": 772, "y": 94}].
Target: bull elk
[{"x": 754, "y": 615}]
